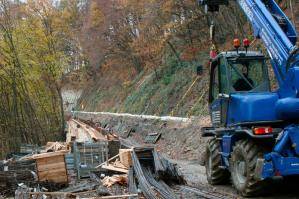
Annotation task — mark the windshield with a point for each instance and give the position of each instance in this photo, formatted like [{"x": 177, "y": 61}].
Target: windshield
[{"x": 248, "y": 74}]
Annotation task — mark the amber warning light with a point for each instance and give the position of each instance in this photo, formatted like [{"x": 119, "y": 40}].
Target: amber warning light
[{"x": 236, "y": 43}]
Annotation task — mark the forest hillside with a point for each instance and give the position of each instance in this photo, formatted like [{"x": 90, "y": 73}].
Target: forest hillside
[{"x": 132, "y": 56}]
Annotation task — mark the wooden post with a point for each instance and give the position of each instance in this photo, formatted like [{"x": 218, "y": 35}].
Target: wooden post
[
  {"x": 76, "y": 158},
  {"x": 107, "y": 154}
]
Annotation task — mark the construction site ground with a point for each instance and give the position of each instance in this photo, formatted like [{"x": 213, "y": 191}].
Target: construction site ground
[{"x": 181, "y": 142}]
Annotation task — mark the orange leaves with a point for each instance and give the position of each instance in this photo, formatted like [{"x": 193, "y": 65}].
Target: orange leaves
[
  {"x": 167, "y": 6},
  {"x": 96, "y": 14},
  {"x": 141, "y": 33}
]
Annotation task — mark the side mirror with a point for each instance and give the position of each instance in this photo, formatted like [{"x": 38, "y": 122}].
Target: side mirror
[{"x": 199, "y": 70}]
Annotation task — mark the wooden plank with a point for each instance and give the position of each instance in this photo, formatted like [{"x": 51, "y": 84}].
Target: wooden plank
[
  {"x": 93, "y": 133},
  {"x": 59, "y": 177},
  {"x": 112, "y": 197},
  {"x": 107, "y": 162},
  {"x": 57, "y": 172},
  {"x": 54, "y": 176},
  {"x": 46, "y": 155},
  {"x": 56, "y": 179},
  {"x": 51, "y": 167},
  {"x": 118, "y": 164},
  {"x": 50, "y": 160},
  {"x": 62, "y": 180},
  {"x": 52, "y": 193},
  {"x": 61, "y": 193},
  {"x": 94, "y": 144},
  {"x": 112, "y": 168}
]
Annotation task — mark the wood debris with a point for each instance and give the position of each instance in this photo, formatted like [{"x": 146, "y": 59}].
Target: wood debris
[
  {"x": 55, "y": 146},
  {"x": 120, "y": 179},
  {"x": 115, "y": 169},
  {"x": 122, "y": 162}
]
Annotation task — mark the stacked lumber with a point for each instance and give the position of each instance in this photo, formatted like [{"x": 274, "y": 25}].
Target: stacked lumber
[
  {"x": 107, "y": 132},
  {"x": 81, "y": 132}
]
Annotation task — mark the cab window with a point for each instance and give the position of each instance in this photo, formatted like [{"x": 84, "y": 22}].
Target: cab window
[
  {"x": 248, "y": 75},
  {"x": 224, "y": 87},
  {"x": 215, "y": 84}
]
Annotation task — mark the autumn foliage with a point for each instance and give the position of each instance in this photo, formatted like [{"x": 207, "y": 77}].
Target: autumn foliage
[{"x": 97, "y": 44}]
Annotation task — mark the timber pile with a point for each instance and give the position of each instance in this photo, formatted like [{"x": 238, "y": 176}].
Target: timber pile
[
  {"x": 107, "y": 132},
  {"x": 81, "y": 132}
]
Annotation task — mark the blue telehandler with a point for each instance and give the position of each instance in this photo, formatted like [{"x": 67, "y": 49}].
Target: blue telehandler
[{"x": 255, "y": 131}]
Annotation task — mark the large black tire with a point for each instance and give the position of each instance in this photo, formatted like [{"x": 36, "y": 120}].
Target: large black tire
[
  {"x": 242, "y": 166},
  {"x": 215, "y": 174}
]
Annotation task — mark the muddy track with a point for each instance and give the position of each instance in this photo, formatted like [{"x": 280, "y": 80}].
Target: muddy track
[{"x": 191, "y": 192}]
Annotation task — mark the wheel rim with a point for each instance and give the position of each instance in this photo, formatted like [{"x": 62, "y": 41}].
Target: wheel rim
[{"x": 240, "y": 170}]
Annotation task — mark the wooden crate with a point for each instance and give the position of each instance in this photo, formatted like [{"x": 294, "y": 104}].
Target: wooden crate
[
  {"x": 125, "y": 157},
  {"x": 52, "y": 168}
]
